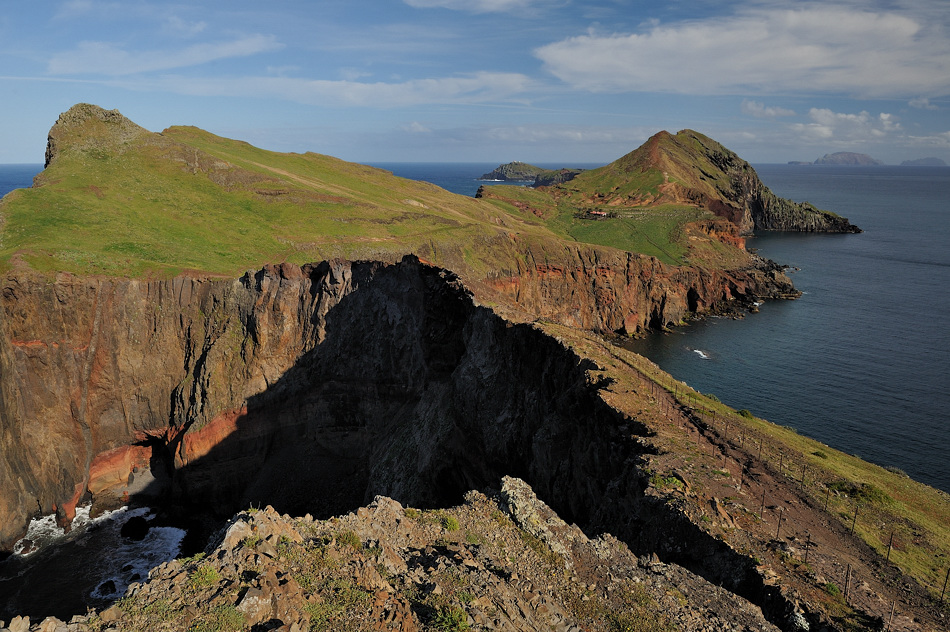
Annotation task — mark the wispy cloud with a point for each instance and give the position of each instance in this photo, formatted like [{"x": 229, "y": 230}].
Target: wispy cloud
[
  {"x": 763, "y": 50},
  {"x": 827, "y": 125},
  {"x": 759, "y": 110},
  {"x": 478, "y": 6},
  {"x": 480, "y": 87},
  {"x": 177, "y": 27},
  {"x": 922, "y": 103},
  {"x": 416, "y": 128},
  {"x": 103, "y": 58}
]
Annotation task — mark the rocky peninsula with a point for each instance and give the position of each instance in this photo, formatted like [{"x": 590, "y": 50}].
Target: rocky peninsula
[{"x": 423, "y": 388}]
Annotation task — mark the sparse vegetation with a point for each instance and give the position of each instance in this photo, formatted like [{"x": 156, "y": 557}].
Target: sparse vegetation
[
  {"x": 222, "y": 618},
  {"x": 450, "y": 619},
  {"x": 350, "y": 539},
  {"x": 203, "y": 576}
]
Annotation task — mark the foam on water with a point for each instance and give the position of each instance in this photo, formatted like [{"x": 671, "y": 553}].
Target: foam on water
[
  {"x": 130, "y": 561},
  {"x": 44, "y": 530},
  {"x": 93, "y": 561}
]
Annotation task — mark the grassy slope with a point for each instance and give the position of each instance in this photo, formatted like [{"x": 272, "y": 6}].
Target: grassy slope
[
  {"x": 120, "y": 200},
  {"x": 643, "y": 190},
  {"x": 187, "y": 199}
]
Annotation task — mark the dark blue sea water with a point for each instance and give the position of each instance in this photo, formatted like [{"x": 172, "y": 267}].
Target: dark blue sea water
[
  {"x": 17, "y": 177},
  {"x": 862, "y": 360},
  {"x": 460, "y": 177}
]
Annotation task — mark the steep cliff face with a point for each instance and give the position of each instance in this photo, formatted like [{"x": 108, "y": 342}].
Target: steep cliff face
[
  {"x": 103, "y": 377},
  {"x": 95, "y": 365},
  {"x": 630, "y": 294},
  {"x": 314, "y": 389}
]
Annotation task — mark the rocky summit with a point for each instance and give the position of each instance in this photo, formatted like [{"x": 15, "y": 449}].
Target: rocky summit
[
  {"x": 499, "y": 562},
  {"x": 380, "y": 406}
]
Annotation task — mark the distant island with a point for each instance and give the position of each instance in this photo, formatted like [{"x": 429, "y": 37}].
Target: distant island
[
  {"x": 924, "y": 162},
  {"x": 523, "y": 172},
  {"x": 851, "y": 159},
  {"x": 848, "y": 158}
]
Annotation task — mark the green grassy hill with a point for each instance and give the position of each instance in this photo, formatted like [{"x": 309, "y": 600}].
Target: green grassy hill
[
  {"x": 117, "y": 199},
  {"x": 671, "y": 178}
]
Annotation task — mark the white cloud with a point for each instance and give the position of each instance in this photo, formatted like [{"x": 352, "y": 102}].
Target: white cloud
[
  {"x": 934, "y": 141},
  {"x": 475, "y": 6},
  {"x": 177, "y": 27},
  {"x": 759, "y": 110},
  {"x": 922, "y": 103},
  {"x": 624, "y": 137},
  {"x": 844, "y": 127},
  {"x": 763, "y": 50},
  {"x": 416, "y": 128},
  {"x": 479, "y": 87},
  {"x": 103, "y": 58}
]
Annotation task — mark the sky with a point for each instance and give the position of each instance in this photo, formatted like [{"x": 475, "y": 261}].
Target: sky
[{"x": 549, "y": 81}]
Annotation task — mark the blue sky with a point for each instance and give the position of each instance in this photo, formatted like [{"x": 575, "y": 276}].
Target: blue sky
[{"x": 490, "y": 80}]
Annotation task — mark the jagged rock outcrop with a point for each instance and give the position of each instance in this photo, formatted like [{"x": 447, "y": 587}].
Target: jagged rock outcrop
[
  {"x": 523, "y": 172},
  {"x": 330, "y": 374},
  {"x": 555, "y": 176},
  {"x": 504, "y": 561},
  {"x": 91, "y": 129}
]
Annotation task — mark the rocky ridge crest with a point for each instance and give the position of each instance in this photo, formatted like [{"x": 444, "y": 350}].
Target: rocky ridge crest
[{"x": 503, "y": 561}]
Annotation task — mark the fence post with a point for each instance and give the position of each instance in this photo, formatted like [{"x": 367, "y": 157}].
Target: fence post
[
  {"x": 762, "y": 513},
  {"x": 891, "y": 618},
  {"x": 847, "y": 583},
  {"x": 889, "y": 543},
  {"x": 807, "y": 545},
  {"x": 779, "y": 529},
  {"x": 855, "y": 519},
  {"x": 944, "y": 591}
]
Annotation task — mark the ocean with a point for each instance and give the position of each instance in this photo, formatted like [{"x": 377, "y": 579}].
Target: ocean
[{"x": 862, "y": 360}]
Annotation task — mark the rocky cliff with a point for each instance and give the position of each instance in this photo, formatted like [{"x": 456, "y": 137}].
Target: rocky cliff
[
  {"x": 86, "y": 398},
  {"x": 327, "y": 375},
  {"x": 499, "y": 562},
  {"x": 316, "y": 388}
]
